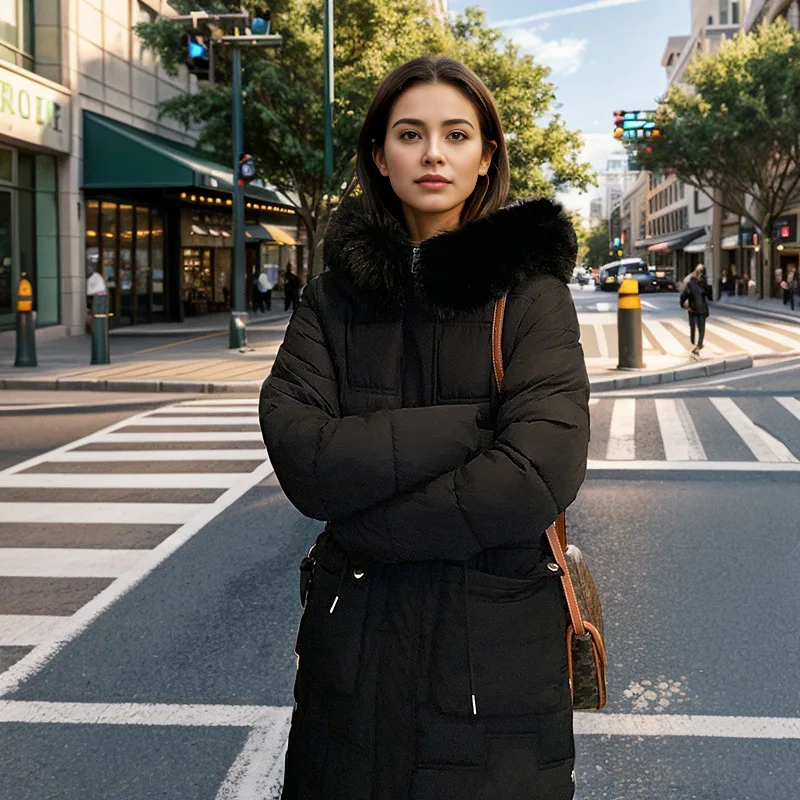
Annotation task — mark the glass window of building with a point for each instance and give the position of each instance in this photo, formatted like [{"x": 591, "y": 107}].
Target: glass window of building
[
  {"x": 723, "y": 12},
  {"x": 16, "y": 32},
  {"x": 157, "y": 262}
]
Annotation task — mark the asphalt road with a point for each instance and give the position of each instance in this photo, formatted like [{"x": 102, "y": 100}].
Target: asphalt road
[{"x": 696, "y": 564}]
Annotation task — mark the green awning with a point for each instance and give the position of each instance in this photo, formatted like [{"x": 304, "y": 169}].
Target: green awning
[{"x": 118, "y": 156}]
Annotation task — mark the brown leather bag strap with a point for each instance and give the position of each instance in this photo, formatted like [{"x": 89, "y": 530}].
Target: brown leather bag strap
[
  {"x": 566, "y": 582},
  {"x": 499, "y": 375}
]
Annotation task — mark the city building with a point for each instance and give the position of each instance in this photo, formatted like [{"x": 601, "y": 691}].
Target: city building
[
  {"x": 680, "y": 219},
  {"x": 633, "y": 217},
  {"x": 612, "y": 183},
  {"x": 92, "y": 180}
]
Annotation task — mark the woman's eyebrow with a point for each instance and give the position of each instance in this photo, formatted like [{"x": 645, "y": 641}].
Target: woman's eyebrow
[{"x": 421, "y": 124}]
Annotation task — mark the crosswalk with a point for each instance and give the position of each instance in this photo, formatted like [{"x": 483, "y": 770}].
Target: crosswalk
[
  {"x": 726, "y": 334},
  {"x": 745, "y": 432},
  {"x": 85, "y": 522}
]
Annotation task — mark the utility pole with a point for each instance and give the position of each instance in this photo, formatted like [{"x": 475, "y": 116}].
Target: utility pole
[{"x": 259, "y": 37}]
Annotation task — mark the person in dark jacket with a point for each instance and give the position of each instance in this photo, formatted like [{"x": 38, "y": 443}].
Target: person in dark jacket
[
  {"x": 431, "y": 650},
  {"x": 291, "y": 289},
  {"x": 694, "y": 298}
]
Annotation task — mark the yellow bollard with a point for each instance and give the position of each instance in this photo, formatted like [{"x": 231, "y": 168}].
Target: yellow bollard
[
  {"x": 26, "y": 325},
  {"x": 629, "y": 325}
]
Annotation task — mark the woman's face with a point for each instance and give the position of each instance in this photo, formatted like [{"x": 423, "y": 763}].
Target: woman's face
[{"x": 433, "y": 132}]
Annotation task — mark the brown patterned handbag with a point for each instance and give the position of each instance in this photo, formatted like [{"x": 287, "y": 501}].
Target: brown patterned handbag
[{"x": 586, "y": 653}]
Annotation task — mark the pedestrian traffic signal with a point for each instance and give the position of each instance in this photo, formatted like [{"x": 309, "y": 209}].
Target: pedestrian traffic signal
[
  {"x": 247, "y": 169},
  {"x": 197, "y": 59}
]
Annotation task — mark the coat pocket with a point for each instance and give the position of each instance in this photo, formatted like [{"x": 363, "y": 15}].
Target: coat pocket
[
  {"x": 515, "y": 645},
  {"x": 331, "y": 635}
]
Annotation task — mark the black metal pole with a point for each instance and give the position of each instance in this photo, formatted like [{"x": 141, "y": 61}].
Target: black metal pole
[{"x": 237, "y": 331}]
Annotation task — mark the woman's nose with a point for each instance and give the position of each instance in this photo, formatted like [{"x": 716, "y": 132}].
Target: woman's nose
[{"x": 433, "y": 155}]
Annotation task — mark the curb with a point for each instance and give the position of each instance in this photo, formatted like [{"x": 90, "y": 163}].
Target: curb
[
  {"x": 706, "y": 370},
  {"x": 598, "y": 384},
  {"x": 151, "y": 386},
  {"x": 760, "y": 312},
  {"x": 134, "y": 332}
]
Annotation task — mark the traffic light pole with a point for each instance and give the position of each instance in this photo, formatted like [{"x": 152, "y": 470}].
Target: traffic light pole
[{"x": 237, "y": 331}]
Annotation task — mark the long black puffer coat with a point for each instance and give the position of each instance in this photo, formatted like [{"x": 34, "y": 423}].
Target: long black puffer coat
[{"x": 431, "y": 655}]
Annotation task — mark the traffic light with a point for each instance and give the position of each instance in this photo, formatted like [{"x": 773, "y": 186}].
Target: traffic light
[
  {"x": 259, "y": 26},
  {"x": 619, "y": 124},
  {"x": 247, "y": 169},
  {"x": 197, "y": 59}
]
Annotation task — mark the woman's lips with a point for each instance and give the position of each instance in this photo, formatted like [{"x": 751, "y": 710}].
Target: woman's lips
[{"x": 432, "y": 184}]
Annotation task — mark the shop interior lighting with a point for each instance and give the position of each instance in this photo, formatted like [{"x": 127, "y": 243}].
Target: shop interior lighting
[
  {"x": 193, "y": 198},
  {"x": 183, "y": 195}
]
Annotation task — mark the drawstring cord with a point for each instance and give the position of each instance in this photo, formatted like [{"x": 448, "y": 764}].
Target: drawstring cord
[
  {"x": 345, "y": 567},
  {"x": 469, "y": 643}
]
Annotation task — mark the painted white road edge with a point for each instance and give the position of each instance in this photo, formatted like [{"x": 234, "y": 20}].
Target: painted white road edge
[
  {"x": 694, "y": 466},
  {"x": 43, "y": 653},
  {"x": 277, "y": 717}
]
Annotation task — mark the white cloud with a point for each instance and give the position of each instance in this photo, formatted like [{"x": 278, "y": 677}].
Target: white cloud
[
  {"x": 597, "y": 149},
  {"x": 596, "y": 5},
  {"x": 563, "y": 56}
]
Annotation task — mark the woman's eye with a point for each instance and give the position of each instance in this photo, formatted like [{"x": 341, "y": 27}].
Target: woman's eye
[
  {"x": 408, "y": 135},
  {"x": 460, "y": 134}
]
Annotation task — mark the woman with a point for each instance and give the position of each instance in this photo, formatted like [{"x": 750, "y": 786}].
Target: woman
[
  {"x": 694, "y": 298},
  {"x": 431, "y": 656}
]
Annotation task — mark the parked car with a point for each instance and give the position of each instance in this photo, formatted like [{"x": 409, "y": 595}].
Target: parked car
[
  {"x": 665, "y": 277},
  {"x": 612, "y": 274},
  {"x": 582, "y": 276}
]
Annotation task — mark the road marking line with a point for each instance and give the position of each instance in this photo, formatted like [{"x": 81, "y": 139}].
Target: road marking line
[
  {"x": 665, "y": 338},
  {"x": 199, "y": 436},
  {"x": 742, "y": 342},
  {"x": 99, "y": 456},
  {"x": 184, "y": 716},
  {"x": 602, "y": 342},
  {"x": 622, "y": 431},
  {"x": 274, "y": 717},
  {"x": 761, "y": 444},
  {"x": 196, "y": 410},
  {"x": 66, "y": 562},
  {"x": 42, "y": 654},
  {"x": 188, "y": 421},
  {"x": 44, "y": 457},
  {"x": 121, "y": 480},
  {"x": 23, "y": 630},
  {"x": 100, "y": 513},
  {"x": 253, "y": 401},
  {"x": 696, "y": 466},
  {"x": 792, "y": 344},
  {"x": 791, "y": 405},
  {"x": 648, "y": 304},
  {"x": 258, "y": 769},
  {"x": 678, "y": 433}
]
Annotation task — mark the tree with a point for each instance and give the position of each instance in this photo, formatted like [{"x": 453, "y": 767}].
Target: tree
[
  {"x": 597, "y": 243},
  {"x": 582, "y": 233},
  {"x": 734, "y": 133},
  {"x": 283, "y": 93}
]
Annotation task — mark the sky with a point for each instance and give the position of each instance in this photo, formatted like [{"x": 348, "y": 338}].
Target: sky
[{"x": 604, "y": 55}]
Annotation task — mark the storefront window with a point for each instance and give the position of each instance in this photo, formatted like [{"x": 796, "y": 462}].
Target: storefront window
[
  {"x": 125, "y": 265},
  {"x": 142, "y": 265},
  {"x": 6, "y": 255},
  {"x": 157, "y": 261},
  {"x": 92, "y": 237},
  {"x": 198, "y": 286},
  {"x": 108, "y": 250}
]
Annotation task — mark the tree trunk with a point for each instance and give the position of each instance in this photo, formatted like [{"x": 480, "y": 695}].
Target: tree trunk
[{"x": 766, "y": 267}]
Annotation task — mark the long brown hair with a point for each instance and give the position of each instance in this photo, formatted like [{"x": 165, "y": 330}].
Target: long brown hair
[{"x": 491, "y": 190}]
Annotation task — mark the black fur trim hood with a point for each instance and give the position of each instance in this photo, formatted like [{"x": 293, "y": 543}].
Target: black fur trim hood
[{"x": 458, "y": 270}]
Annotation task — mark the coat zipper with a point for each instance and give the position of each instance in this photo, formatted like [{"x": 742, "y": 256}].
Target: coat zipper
[{"x": 415, "y": 259}]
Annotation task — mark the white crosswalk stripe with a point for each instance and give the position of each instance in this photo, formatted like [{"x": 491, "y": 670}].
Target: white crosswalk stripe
[
  {"x": 681, "y": 442},
  {"x": 760, "y": 433},
  {"x": 122, "y": 493}
]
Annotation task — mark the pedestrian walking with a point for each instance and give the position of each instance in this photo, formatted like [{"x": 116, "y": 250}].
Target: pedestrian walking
[
  {"x": 726, "y": 286},
  {"x": 789, "y": 286},
  {"x": 256, "y": 296},
  {"x": 694, "y": 298},
  {"x": 291, "y": 289},
  {"x": 265, "y": 287},
  {"x": 431, "y": 656}
]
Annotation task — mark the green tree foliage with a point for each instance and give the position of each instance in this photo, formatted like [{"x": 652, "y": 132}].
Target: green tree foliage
[
  {"x": 283, "y": 93},
  {"x": 597, "y": 244},
  {"x": 734, "y": 131}
]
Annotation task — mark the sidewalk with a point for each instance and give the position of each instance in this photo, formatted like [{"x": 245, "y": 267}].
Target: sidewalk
[
  {"x": 196, "y": 359},
  {"x": 768, "y": 307}
]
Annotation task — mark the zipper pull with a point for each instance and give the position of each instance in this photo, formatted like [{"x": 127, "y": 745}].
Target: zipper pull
[{"x": 415, "y": 260}]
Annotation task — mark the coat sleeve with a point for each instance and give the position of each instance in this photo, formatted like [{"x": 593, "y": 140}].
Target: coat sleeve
[
  {"x": 332, "y": 466},
  {"x": 511, "y": 492}
]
